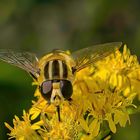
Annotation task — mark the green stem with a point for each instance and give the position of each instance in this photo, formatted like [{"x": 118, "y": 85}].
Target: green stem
[{"x": 133, "y": 110}]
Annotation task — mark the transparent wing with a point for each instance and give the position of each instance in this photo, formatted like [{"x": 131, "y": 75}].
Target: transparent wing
[
  {"x": 24, "y": 60},
  {"x": 87, "y": 56}
]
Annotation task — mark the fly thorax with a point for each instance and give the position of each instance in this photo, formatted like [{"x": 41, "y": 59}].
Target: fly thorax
[{"x": 56, "y": 69}]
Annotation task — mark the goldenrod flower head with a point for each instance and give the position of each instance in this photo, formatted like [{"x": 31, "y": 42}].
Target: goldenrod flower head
[
  {"x": 23, "y": 130},
  {"x": 67, "y": 129},
  {"x": 102, "y": 95}
]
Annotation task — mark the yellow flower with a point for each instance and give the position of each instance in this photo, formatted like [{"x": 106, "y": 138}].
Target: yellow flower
[
  {"x": 106, "y": 90},
  {"x": 103, "y": 93},
  {"x": 66, "y": 129},
  {"x": 23, "y": 130}
]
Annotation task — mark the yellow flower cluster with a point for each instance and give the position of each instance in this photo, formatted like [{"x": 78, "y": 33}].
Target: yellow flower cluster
[
  {"x": 23, "y": 130},
  {"x": 102, "y": 97}
]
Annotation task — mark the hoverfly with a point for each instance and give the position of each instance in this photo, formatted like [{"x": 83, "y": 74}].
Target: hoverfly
[{"x": 56, "y": 70}]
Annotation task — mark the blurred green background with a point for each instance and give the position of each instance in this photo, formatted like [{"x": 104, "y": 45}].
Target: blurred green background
[{"x": 42, "y": 25}]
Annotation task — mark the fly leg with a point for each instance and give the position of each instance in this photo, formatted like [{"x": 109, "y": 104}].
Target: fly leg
[
  {"x": 43, "y": 112},
  {"x": 43, "y": 116},
  {"x": 37, "y": 103}
]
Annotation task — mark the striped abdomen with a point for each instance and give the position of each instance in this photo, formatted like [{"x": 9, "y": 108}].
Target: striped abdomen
[{"x": 56, "y": 69}]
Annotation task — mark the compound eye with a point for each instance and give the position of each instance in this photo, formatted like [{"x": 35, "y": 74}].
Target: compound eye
[
  {"x": 46, "y": 89},
  {"x": 66, "y": 88}
]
